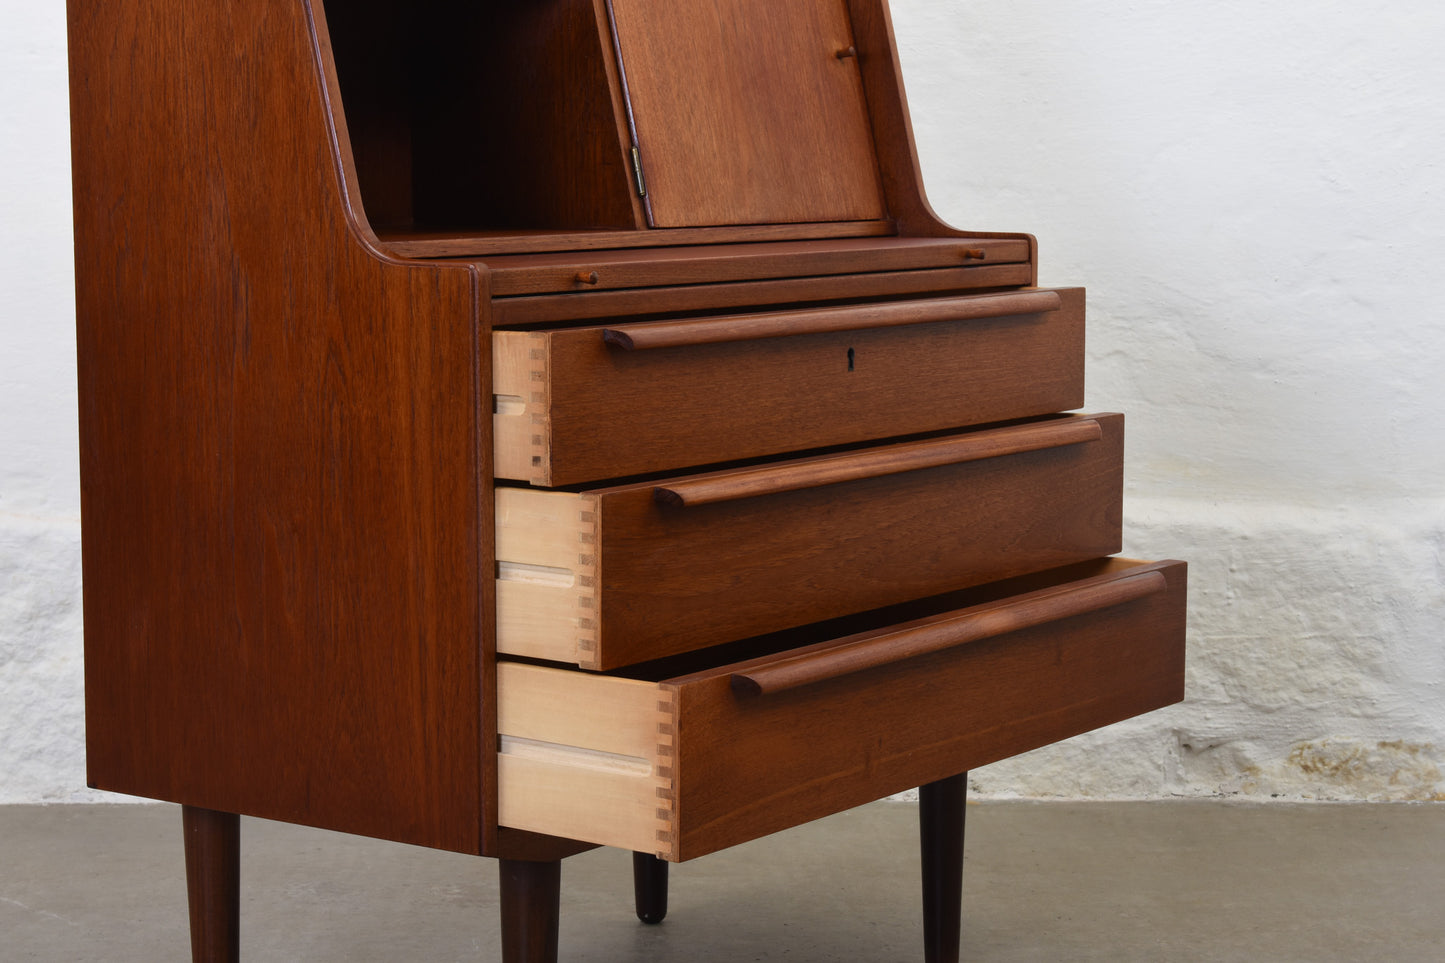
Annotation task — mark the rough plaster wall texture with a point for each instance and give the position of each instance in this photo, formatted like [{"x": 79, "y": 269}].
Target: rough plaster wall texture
[
  {"x": 41, "y": 715},
  {"x": 1250, "y": 192}
]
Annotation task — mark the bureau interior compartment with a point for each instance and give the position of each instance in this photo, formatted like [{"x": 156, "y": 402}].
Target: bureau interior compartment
[
  {"x": 612, "y": 576},
  {"x": 708, "y": 390},
  {"x": 490, "y": 116},
  {"x": 509, "y": 120},
  {"x": 688, "y": 764}
]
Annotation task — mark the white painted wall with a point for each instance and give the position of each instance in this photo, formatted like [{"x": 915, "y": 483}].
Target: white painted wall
[
  {"x": 1252, "y": 193},
  {"x": 41, "y": 716}
]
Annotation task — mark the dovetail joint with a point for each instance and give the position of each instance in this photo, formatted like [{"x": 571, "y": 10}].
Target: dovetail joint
[{"x": 586, "y": 583}]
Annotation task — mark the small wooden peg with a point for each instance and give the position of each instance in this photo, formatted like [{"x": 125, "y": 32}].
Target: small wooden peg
[
  {"x": 846, "y": 52},
  {"x": 586, "y": 277}
]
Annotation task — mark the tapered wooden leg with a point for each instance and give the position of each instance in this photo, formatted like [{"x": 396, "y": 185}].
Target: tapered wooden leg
[
  {"x": 531, "y": 892},
  {"x": 213, "y": 883},
  {"x": 649, "y": 883},
  {"x": 940, "y": 824}
]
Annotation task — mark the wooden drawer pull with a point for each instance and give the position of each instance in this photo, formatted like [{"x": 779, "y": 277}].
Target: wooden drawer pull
[
  {"x": 677, "y": 334},
  {"x": 945, "y": 633},
  {"x": 875, "y": 463}
]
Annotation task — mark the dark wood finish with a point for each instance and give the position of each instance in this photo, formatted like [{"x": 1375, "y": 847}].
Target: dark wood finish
[
  {"x": 715, "y": 403},
  {"x": 517, "y": 311},
  {"x": 213, "y": 883},
  {"x": 282, "y": 459},
  {"x": 415, "y": 242},
  {"x": 649, "y": 885},
  {"x": 746, "y": 114},
  {"x": 437, "y": 146},
  {"x": 530, "y": 907},
  {"x": 678, "y": 579},
  {"x": 549, "y": 155},
  {"x": 515, "y": 274},
  {"x": 777, "y": 479},
  {"x": 722, "y": 329},
  {"x": 748, "y": 767},
  {"x": 945, "y": 632},
  {"x": 941, "y": 813}
]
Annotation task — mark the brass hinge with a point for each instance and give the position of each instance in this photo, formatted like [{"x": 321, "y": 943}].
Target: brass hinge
[{"x": 637, "y": 179}]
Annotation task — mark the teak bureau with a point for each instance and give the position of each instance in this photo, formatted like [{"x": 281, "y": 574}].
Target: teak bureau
[{"x": 512, "y": 426}]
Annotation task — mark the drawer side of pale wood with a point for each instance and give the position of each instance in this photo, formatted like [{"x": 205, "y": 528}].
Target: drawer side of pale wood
[
  {"x": 547, "y": 575},
  {"x": 586, "y": 757},
  {"x": 521, "y": 406}
]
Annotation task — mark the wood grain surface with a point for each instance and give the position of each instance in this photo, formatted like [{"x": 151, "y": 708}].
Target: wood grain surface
[
  {"x": 493, "y": 115},
  {"x": 935, "y": 635},
  {"x": 864, "y": 464},
  {"x": 516, "y": 274},
  {"x": 477, "y": 242},
  {"x": 578, "y": 410},
  {"x": 282, "y": 459},
  {"x": 834, "y": 288},
  {"x": 677, "y": 579},
  {"x": 212, "y": 843},
  {"x": 745, "y": 113},
  {"x": 641, "y": 580},
  {"x": 776, "y": 761},
  {"x": 649, "y": 336}
]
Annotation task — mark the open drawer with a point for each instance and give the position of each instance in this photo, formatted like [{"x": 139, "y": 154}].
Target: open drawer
[
  {"x": 694, "y": 763},
  {"x": 574, "y": 405},
  {"x": 621, "y": 575}
]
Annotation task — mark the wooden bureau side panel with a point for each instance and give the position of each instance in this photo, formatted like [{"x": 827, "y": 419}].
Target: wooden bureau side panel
[
  {"x": 281, "y": 454},
  {"x": 675, "y": 579},
  {"x": 792, "y": 757},
  {"x": 704, "y": 404}
]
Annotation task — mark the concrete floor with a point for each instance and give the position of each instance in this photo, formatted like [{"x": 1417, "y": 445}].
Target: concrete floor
[{"x": 1043, "y": 881}]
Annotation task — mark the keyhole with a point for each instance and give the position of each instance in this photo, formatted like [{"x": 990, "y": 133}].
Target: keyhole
[{"x": 850, "y": 359}]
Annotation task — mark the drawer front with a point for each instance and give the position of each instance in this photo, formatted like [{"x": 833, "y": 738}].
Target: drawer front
[
  {"x": 693, "y": 764},
  {"x": 623, "y": 575},
  {"x": 582, "y": 404}
]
